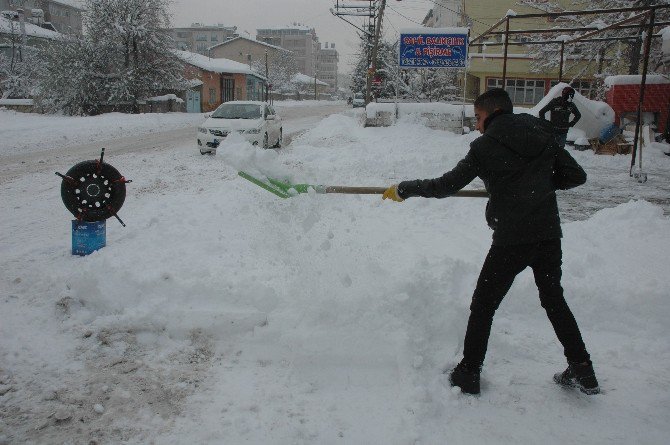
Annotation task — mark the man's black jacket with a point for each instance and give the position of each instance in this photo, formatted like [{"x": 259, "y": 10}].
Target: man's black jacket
[
  {"x": 560, "y": 114},
  {"x": 522, "y": 166}
]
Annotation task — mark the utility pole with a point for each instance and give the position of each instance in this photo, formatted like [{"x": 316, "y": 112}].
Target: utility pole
[
  {"x": 267, "y": 78},
  {"x": 375, "y": 48},
  {"x": 22, "y": 23}
]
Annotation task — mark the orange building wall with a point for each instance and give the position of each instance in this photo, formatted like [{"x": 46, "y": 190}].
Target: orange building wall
[{"x": 214, "y": 81}]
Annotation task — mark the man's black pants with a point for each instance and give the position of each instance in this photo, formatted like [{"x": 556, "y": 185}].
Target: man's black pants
[{"x": 502, "y": 265}]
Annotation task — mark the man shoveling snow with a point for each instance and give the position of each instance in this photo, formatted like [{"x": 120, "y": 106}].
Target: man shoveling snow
[{"x": 522, "y": 166}]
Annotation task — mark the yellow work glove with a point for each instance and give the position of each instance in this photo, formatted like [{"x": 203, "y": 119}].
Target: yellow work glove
[{"x": 392, "y": 194}]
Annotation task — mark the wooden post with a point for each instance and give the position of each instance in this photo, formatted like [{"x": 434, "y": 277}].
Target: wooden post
[{"x": 560, "y": 69}]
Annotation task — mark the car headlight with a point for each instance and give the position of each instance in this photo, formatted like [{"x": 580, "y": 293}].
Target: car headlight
[
  {"x": 202, "y": 130},
  {"x": 254, "y": 131}
]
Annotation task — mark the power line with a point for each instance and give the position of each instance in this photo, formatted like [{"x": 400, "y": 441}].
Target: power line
[{"x": 403, "y": 15}]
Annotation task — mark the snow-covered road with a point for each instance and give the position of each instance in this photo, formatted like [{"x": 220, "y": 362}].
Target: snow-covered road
[
  {"x": 223, "y": 314},
  {"x": 33, "y": 143}
]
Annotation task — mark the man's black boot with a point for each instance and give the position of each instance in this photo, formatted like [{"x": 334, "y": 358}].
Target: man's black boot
[
  {"x": 465, "y": 377},
  {"x": 580, "y": 375}
]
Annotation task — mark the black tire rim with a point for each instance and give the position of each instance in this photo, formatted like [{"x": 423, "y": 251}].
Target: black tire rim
[{"x": 97, "y": 192}]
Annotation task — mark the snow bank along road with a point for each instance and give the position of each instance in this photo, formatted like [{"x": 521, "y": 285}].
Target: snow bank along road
[{"x": 34, "y": 143}]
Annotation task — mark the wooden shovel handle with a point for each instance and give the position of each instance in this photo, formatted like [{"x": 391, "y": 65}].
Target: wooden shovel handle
[{"x": 381, "y": 190}]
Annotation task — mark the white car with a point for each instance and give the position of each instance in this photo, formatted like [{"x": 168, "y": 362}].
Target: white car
[
  {"x": 359, "y": 100},
  {"x": 257, "y": 122}
]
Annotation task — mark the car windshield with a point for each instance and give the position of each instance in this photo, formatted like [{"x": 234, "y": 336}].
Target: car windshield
[{"x": 237, "y": 111}]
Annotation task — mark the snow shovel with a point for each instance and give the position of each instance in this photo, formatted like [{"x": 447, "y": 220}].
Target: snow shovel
[{"x": 286, "y": 189}]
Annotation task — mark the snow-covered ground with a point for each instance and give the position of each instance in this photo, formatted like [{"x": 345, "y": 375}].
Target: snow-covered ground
[
  {"x": 22, "y": 132},
  {"x": 223, "y": 314}
]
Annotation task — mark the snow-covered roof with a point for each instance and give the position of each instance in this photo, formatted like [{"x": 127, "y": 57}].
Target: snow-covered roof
[
  {"x": 71, "y": 3},
  {"x": 279, "y": 28},
  {"x": 439, "y": 31},
  {"x": 192, "y": 83},
  {"x": 16, "y": 102},
  {"x": 251, "y": 40},
  {"x": 635, "y": 79},
  {"x": 665, "y": 32},
  {"x": 246, "y": 102},
  {"x": 218, "y": 65},
  {"x": 306, "y": 80},
  {"x": 7, "y": 27}
]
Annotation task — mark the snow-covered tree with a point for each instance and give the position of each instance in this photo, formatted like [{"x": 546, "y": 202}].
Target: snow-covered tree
[
  {"x": 21, "y": 76},
  {"x": 603, "y": 58},
  {"x": 281, "y": 70},
  {"x": 124, "y": 57},
  {"x": 18, "y": 70},
  {"x": 75, "y": 77}
]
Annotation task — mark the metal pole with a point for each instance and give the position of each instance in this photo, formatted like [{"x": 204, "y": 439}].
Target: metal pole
[
  {"x": 647, "y": 46},
  {"x": 560, "y": 69},
  {"x": 397, "y": 84},
  {"x": 267, "y": 78},
  {"x": 465, "y": 84},
  {"x": 504, "y": 79}
]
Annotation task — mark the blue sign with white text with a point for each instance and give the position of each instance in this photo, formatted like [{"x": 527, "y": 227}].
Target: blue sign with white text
[{"x": 433, "y": 50}]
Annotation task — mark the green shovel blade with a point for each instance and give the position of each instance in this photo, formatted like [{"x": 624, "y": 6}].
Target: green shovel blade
[{"x": 280, "y": 188}]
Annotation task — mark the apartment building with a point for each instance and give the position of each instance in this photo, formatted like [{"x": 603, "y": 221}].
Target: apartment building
[
  {"x": 198, "y": 38},
  {"x": 326, "y": 65},
  {"x": 63, "y": 16},
  {"x": 299, "y": 39},
  {"x": 486, "y": 64}
]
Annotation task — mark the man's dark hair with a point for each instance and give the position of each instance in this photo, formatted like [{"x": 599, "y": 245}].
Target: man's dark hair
[{"x": 494, "y": 99}]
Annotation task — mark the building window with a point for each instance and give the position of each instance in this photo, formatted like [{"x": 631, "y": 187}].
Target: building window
[
  {"x": 212, "y": 95},
  {"x": 521, "y": 91},
  {"x": 215, "y": 38},
  {"x": 201, "y": 38}
]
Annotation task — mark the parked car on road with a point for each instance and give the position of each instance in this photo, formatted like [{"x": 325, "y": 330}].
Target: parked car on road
[
  {"x": 359, "y": 100},
  {"x": 257, "y": 122}
]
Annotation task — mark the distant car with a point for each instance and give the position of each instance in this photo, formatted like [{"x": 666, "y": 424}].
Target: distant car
[
  {"x": 359, "y": 100},
  {"x": 257, "y": 122}
]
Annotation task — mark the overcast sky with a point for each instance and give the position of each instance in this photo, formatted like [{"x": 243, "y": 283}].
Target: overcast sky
[{"x": 248, "y": 15}]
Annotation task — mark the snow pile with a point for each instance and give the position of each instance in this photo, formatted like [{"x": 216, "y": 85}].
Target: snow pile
[
  {"x": 23, "y": 132},
  {"x": 647, "y": 136},
  {"x": 16, "y": 102},
  {"x": 636, "y": 79},
  {"x": 304, "y": 79},
  {"x": 596, "y": 115},
  {"x": 241, "y": 155},
  {"x": 404, "y": 109},
  {"x": 223, "y": 313},
  {"x": 446, "y": 30},
  {"x": 166, "y": 98}
]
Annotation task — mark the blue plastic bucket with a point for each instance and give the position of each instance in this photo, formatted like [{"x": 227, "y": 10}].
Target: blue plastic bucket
[
  {"x": 608, "y": 133},
  {"x": 87, "y": 237}
]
